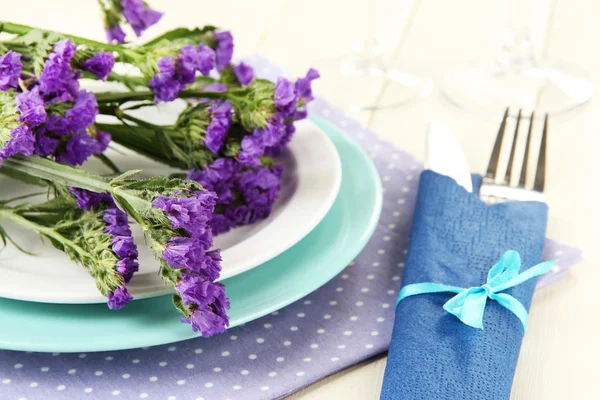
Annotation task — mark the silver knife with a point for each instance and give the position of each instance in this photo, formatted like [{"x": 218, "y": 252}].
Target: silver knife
[{"x": 444, "y": 155}]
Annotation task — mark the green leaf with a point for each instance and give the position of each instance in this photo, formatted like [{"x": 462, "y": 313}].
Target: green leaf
[
  {"x": 179, "y": 33},
  {"x": 156, "y": 184},
  {"x": 40, "y": 52},
  {"x": 229, "y": 78},
  {"x": 53, "y": 171},
  {"x": 178, "y": 175},
  {"x": 22, "y": 176},
  {"x": 178, "y": 303},
  {"x": 31, "y": 37},
  {"x": 123, "y": 177}
]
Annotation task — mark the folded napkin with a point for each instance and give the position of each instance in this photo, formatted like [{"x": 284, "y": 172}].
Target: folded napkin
[
  {"x": 455, "y": 240},
  {"x": 347, "y": 321}
]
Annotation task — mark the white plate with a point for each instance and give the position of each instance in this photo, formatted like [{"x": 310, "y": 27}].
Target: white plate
[{"x": 309, "y": 187}]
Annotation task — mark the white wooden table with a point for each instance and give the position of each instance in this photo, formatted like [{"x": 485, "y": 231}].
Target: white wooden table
[{"x": 560, "y": 353}]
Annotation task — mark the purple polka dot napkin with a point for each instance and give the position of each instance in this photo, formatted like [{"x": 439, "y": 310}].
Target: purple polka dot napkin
[{"x": 345, "y": 322}]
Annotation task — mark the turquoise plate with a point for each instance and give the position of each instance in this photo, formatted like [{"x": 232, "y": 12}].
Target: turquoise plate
[{"x": 302, "y": 269}]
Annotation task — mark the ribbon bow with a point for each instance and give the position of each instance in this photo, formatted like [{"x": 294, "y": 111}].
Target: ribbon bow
[{"x": 469, "y": 304}]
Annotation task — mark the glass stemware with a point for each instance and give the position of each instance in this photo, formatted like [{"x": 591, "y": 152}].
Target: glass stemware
[
  {"x": 368, "y": 63},
  {"x": 517, "y": 78}
]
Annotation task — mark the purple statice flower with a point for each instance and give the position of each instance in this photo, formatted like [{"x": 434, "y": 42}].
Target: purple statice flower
[
  {"x": 100, "y": 64},
  {"x": 244, "y": 194},
  {"x": 58, "y": 125},
  {"x": 139, "y": 16},
  {"x": 10, "y": 70},
  {"x": 251, "y": 149},
  {"x": 219, "y": 178},
  {"x": 212, "y": 318},
  {"x": 192, "y": 254},
  {"x": 207, "y": 58},
  {"x": 124, "y": 247},
  {"x": 163, "y": 84},
  {"x": 198, "y": 288},
  {"x": 174, "y": 74},
  {"x": 286, "y": 97},
  {"x": 189, "y": 213},
  {"x": 44, "y": 145},
  {"x": 207, "y": 322},
  {"x": 221, "y": 114},
  {"x": 200, "y": 267},
  {"x": 102, "y": 141},
  {"x": 115, "y": 34},
  {"x": 274, "y": 150},
  {"x": 126, "y": 250},
  {"x": 220, "y": 223},
  {"x": 183, "y": 252},
  {"x": 224, "y": 50},
  {"x": 58, "y": 81},
  {"x": 216, "y": 87},
  {"x": 31, "y": 107},
  {"x": 21, "y": 141},
  {"x": 83, "y": 113},
  {"x": 86, "y": 199},
  {"x": 78, "y": 149},
  {"x": 271, "y": 134},
  {"x": 192, "y": 59},
  {"x": 244, "y": 73},
  {"x": 303, "y": 85},
  {"x": 304, "y": 89},
  {"x": 258, "y": 186},
  {"x": 211, "y": 267},
  {"x": 117, "y": 227},
  {"x": 66, "y": 137},
  {"x": 119, "y": 298},
  {"x": 65, "y": 49},
  {"x": 187, "y": 64},
  {"x": 259, "y": 189},
  {"x": 195, "y": 289}
]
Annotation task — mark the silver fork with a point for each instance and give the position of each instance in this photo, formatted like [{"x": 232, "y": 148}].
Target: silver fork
[{"x": 496, "y": 189}]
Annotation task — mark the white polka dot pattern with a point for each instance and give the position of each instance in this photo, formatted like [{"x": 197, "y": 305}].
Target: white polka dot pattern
[{"x": 346, "y": 321}]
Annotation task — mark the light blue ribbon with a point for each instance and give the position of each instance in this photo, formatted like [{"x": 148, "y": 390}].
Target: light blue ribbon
[{"x": 469, "y": 304}]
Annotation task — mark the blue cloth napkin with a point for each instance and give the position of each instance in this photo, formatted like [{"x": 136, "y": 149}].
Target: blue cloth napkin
[{"x": 455, "y": 240}]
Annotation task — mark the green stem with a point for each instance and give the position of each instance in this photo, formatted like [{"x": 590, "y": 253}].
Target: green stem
[
  {"x": 122, "y": 115},
  {"x": 122, "y": 97},
  {"x": 43, "y": 230},
  {"x": 129, "y": 81},
  {"x": 55, "y": 172},
  {"x": 141, "y": 140},
  {"x": 20, "y": 29},
  {"x": 22, "y": 177},
  {"x": 70, "y": 176}
]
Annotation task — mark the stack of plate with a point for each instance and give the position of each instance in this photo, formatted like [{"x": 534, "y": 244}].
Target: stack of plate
[{"x": 329, "y": 206}]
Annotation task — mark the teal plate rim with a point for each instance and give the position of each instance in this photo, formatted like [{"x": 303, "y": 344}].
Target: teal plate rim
[{"x": 302, "y": 269}]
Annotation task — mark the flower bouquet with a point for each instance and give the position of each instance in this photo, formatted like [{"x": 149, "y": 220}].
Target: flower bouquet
[{"x": 224, "y": 141}]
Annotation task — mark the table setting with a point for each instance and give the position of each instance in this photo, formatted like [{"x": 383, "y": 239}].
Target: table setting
[{"x": 183, "y": 222}]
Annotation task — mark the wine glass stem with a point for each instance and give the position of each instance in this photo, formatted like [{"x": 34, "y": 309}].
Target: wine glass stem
[{"x": 517, "y": 50}]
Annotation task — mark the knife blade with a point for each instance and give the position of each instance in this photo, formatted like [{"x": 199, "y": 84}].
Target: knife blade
[{"x": 444, "y": 155}]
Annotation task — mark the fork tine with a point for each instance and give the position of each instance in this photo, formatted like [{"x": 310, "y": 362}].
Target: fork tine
[
  {"x": 523, "y": 177},
  {"x": 513, "y": 148},
  {"x": 495, "y": 157},
  {"x": 540, "y": 173}
]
